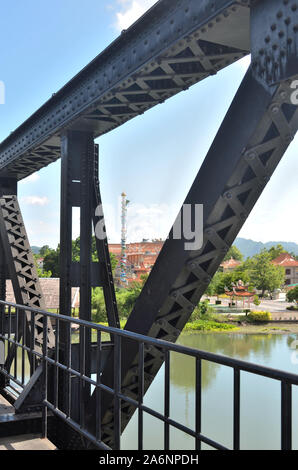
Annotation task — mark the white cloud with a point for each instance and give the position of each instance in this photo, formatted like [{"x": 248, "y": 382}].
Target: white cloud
[
  {"x": 35, "y": 200},
  {"x": 31, "y": 179},
  {"x": 149, "y": 221},
  {"x": 130, "y": 11}
]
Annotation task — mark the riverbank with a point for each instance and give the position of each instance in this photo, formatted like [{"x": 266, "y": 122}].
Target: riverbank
[
  {"x": 211, "y": 326},
  {"x": 267, "y": 328}
]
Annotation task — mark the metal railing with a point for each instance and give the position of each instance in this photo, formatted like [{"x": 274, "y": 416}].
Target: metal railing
[{"x": 51, "y": 359}]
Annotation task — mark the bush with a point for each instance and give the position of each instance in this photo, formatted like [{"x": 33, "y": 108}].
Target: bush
[
  {"x": 202, "y": 312},
  {"x": 256, "y": 300},
  {"x": 292, "y": 295},
  {"x": 98, "y": 304},
  {"x": 259, "y": 317},
  {"x": 126, "y": 299},
  {"x": 209, "y": 325}
]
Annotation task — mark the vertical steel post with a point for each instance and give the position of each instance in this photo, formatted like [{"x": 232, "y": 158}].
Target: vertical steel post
[
  {"x": 67, "y": 175},
  {"x": 2, "y": 297},
  {"x": 77, "y": 174}
]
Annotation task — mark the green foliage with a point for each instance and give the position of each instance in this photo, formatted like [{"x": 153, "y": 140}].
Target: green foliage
[
  {"x": 44, "y": 250},
  {"x": 256, "y": 300},
  {"x": 209, "y": 325},
  {"x": 235, "y": 253},
  {"x": 259, "y": 317},
  {"x": 223, "y": 280},
  {"x": 43, "y": 273},
  {"x": 126, "y": 299},
  {"x": 275, "y": 251},
  {"x": 264, "y": 275},
  {"x": 52, "y": 257},
  {"x": 292, "y": 295},
  {"x": 51, "y": 262},
  {"x": 202, "y": 312},
  {"x": 99, "y": 313}
]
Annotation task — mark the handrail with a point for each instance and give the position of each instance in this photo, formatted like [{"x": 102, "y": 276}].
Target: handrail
[
  {"x": 76, "y": 380},
  {"x": 269, "y": 372}
]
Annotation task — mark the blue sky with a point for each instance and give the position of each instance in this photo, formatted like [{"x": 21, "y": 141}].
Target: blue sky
[{"x": 153, "y": 158}]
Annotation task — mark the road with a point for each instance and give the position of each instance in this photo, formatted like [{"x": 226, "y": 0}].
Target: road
[{"x": 278, "y": 308}]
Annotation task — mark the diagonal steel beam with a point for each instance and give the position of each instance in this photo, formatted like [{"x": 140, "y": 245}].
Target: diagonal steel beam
[{"x": 254, "y": 136}]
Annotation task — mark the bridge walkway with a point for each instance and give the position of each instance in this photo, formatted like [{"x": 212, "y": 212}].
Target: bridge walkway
[{"x": 33, "y": 441}]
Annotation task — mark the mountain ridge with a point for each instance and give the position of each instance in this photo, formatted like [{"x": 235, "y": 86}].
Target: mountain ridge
[{"x": 250, "y": 247}]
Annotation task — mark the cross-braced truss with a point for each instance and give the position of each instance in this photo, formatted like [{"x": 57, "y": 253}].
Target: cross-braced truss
[
  {"x": 21, "y": 267},
  {"x": 175, "y": 45}
]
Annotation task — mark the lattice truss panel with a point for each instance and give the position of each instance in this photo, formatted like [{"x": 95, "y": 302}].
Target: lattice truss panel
[
  {"x": 39, "y": 158},
  {"x": 183, "y": 65},
  {"x": 21, "y": 266},
  {"x": 255, "y": 166}
]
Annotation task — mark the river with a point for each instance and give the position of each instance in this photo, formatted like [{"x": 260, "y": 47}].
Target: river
[{"x": 260, "y": 397}]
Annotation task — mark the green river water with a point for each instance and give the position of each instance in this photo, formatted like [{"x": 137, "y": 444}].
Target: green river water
[{"x": 260, "y": 397}]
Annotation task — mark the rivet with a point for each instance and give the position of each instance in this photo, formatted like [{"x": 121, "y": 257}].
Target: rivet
[
  {"x": 250, "y": 155},
  {"x": 274, "y": 109}
]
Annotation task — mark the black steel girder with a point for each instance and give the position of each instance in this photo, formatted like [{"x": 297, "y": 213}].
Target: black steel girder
[
  {"x": 21, "y": 266},
  {"x": 173, "y": 46},
  {"x": 237, "y": 168}
]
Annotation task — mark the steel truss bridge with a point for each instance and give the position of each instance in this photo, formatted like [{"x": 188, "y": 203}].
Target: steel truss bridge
[{"x": 173, "y": 46}]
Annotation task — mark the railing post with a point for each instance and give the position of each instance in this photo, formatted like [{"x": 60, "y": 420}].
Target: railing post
[
  {"x": 286, "y": 416},
  {"x": 117, "y": 390},
  {"x": 167, "y": 401},
  {"x": 45, "y": 378},
  {"x": 198, "y": 409},
  {"x": 236, "y": 417},
  {"x": 140, "y": 397}
]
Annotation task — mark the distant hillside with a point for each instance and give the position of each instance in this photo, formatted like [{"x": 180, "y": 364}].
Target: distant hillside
[
  {"x": 35, "y": 249},
  {"x": 251, "y": 248}
]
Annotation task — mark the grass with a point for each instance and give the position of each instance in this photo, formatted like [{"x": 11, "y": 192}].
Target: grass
[
  {"x": 275, "y": 328},
  {"x": 198, "y": 325},
  {"x": 209, "y": 325}
]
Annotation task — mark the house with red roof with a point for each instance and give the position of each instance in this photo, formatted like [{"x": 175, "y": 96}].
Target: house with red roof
[
  {"x": 230, "y": 264},
  {"x": 291, "y": 267},
  {"x": 140, "y": 257}
]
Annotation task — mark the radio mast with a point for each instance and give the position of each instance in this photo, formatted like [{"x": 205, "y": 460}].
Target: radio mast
[{"x": 123, "y": 265}]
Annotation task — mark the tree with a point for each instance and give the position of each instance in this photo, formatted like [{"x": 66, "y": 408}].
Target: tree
[
  {"x": 44, "y": 250},
  {"x": 222, "y": 280},
  {"x": 292, "y": 295},
  {"x": 43, "y": 273},
  {"x": 211, "y": 289},
  {"x": 264, "y": 275},
  {"x": 51, "y": 261},
  {"x": 275, "y": 251},
  {"x": 235, "y": 253}
]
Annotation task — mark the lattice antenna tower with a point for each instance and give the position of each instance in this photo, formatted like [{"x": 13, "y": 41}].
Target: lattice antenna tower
[{"x": 123, "y": 262}]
